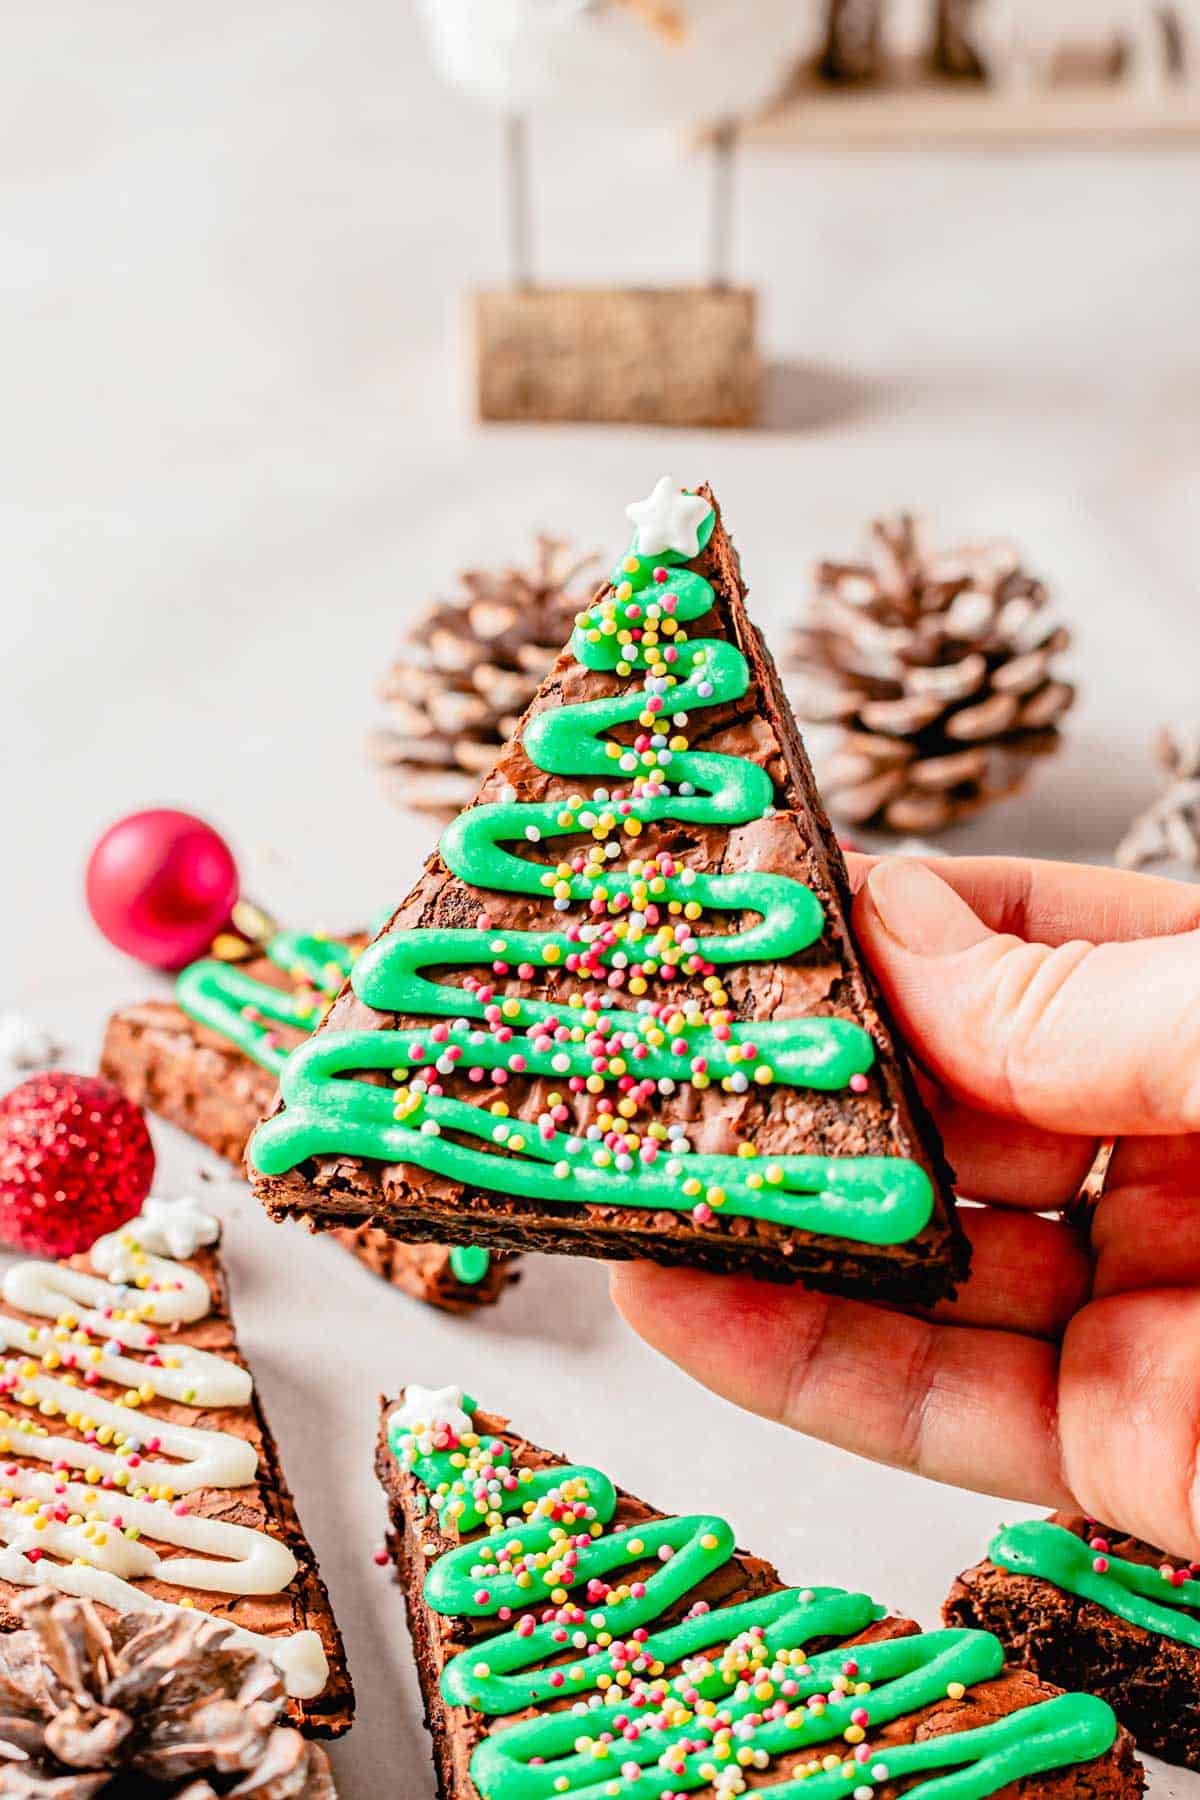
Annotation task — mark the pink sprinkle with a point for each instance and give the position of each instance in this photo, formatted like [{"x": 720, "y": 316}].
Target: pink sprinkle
[
  {"x": 381, "y": 1559},
  {"x": 858, "y": 1084},
  {"x": 1100, "y": 1564}
]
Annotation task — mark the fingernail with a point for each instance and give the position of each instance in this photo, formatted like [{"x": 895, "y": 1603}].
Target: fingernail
[{"x": 919, "y": 911}]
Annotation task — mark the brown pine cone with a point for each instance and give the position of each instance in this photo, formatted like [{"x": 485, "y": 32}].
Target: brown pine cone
[
  {"x": 158, "y": 1704},
  {"x": 1169, "y": 829},
  {"x": 470, "y": 668},
  {"x": 938, "y": 669}
]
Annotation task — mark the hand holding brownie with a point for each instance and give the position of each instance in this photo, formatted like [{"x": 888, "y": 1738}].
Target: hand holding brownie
[{"x": 1052, "y": 1007}]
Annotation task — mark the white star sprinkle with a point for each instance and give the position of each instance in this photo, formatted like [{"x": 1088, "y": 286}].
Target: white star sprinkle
[
  {"x": 424, "y": 1409},
  {"x": 174, "y": 1228},
  {"x": 668, "y": 520}
]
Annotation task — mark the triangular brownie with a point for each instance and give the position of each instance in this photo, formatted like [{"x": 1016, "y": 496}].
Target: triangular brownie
[
  {"x": 621, "y": 1014},
  {"x": 209, "y": 1061},
  {"x": 572, "y": 1640},
  {"x": 136, "y": 1466},
  {"x": 1075, "y": 1600}
]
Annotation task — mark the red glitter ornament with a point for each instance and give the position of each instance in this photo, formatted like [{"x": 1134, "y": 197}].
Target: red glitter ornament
[
  {"x": 75, "y": 1161},
  {"x": 161, "y": 885}
]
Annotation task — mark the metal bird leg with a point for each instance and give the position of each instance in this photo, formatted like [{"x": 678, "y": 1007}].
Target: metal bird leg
[{"x": 520, "y": 212}]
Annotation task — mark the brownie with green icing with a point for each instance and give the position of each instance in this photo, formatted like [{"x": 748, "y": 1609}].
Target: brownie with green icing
[
  {"x": 1084, "y": 1604},
  {"x": 621, "y": 1013},
  {"x": 573, "y": 1640},
  {"x": 208, "y": 1060}
]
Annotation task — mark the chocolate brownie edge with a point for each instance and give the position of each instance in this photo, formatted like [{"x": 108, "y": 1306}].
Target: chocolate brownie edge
[
  {"x": 1150, "y": 1682},
  {"x": 180, "y": 1072}
]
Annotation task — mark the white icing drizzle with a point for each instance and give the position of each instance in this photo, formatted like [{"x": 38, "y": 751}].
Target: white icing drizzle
[
  {"x": 180, "y": 1372},
  {"x": 299, "y": 1658},
  {"x": 173, "y": 1294},
  {"x": 98, "y": 1527},
  {"x": 250, "y": 1561},
  {"x": 206, "y": 1458}
]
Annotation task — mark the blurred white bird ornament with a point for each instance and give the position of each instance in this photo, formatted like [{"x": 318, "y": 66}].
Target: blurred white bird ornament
[
  {"x": 682, "y": 355},
  {"x": 641, "y": 62}
]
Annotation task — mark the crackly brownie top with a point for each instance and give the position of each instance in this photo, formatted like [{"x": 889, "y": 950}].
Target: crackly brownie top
[
  {"x": 624, "y": 981},
  {"x": 589, "y": 1646}
]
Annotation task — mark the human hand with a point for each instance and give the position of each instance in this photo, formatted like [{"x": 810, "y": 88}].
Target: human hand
[{"x": 1052, "y": 1007}]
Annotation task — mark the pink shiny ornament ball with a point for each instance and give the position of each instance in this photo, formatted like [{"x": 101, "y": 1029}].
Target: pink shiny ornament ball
[{"x": 160, "y": 885}]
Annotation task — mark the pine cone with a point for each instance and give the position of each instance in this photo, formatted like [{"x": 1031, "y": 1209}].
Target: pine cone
[
  {"x": 938, "y": 669},
  {"x": 471, "y": 667},
  {"x": 158, "y": 1704},
  {"x": 1169, "y": 829}
]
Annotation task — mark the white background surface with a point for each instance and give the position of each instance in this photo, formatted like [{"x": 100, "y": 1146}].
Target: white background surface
[{"x": 233, "y": 246}]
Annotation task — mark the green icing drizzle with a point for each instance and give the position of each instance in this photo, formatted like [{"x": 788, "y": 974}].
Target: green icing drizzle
[
  {"x": 469, "y": 1263},
  {"x": 237, "y": 1007},
  {"x": 243, "y": 1010},
  {"x": 558, "y": 1543},
  {"x": 1141, "y": 1595},
  {"x": 636, "y": 627}
]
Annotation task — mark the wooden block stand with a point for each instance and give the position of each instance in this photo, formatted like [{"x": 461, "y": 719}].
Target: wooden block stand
[{"x": 642, "y": 356}]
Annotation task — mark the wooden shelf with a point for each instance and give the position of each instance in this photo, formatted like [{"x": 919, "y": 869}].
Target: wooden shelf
[{"x": 919, "y": 109}]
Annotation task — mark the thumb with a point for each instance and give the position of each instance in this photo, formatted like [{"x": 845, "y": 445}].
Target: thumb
[{"x": 1079, "y": 1037}]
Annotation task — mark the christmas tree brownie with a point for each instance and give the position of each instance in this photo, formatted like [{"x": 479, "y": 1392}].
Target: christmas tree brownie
[
  {"x": 209, "y": 1062},
  {"x": 572, "y": 1640},
  {"x": 1080, "y": 1603},
  {"x": 136, "y": 1466},
  {"x": 621, "y": 1014}
]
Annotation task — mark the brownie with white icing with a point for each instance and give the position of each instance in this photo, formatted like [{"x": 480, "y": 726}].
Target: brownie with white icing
[
  {"x": 621, "y": 1014},
  {"x": 574, "y": 1640},
  {"x": 1082, "y": 1603},
  {"x": 136, "y": 1466}
]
